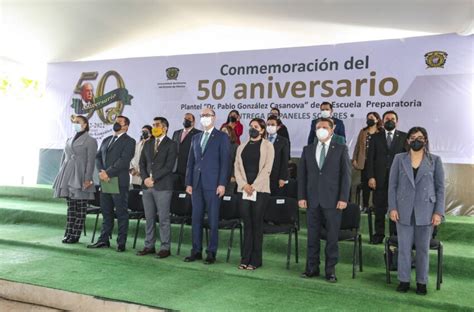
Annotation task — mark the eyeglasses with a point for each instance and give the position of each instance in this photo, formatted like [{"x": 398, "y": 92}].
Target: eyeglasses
[{"x": 207, "y": 115}]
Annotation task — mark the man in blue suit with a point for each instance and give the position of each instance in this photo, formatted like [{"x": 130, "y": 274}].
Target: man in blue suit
[
  {"x": 207, "y": 175},
  {"x": 327, "y": 112}
]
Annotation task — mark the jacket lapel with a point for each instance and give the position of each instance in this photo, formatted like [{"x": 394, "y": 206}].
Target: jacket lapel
[
  {"x": 331, "y": 148},
  {"x": 211, "y": 137},
  {"x": 424, "y": 168},
  {"x": 162, "y": 145},
  {"x": 312, "y": 151},
  {"x": 406, "y": 162}
]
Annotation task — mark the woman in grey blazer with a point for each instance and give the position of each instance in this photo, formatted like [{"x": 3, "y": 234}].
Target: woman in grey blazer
[
  {"x": 74, "y": 181},
  {"x": 416, "y": 204}
]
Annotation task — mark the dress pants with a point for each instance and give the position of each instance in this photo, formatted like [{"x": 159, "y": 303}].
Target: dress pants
[
  {"x": 252, "y": 216},
  {"x": 420, "y": 236},
  {"x": 107, "y": 204},
  {"x": 76, "y": 215},
  {"x": 157, "y": 203},
  {"x": 316, "y": 218},
  {"x": 205, "y": 201}
]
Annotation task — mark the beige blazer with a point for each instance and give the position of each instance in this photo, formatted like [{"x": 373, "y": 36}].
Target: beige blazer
[{"x": 262, "y": 182}]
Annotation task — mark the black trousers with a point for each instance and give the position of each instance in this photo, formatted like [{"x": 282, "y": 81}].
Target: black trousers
[
  {"x": 316, "y": 218},
  {"x": 381, "y": 207},
  {"x": 252, "y": 216},
  {"x": 107, "y": 204},
  {"x": 76, "y": 215},
  {"x": 364, "y": 180}
]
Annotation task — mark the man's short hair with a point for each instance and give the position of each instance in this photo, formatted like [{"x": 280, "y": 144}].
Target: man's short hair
[
  {"x": 273, "y": 117},
  {"x": 163, "y": 121},
  {"x": 328, "y": 120},
  {"x": 390, "y": 112},
  {"x": 326, "y": 103},
  {"x": 194, "y": 118},
  {"x": 127, "y": 121}
]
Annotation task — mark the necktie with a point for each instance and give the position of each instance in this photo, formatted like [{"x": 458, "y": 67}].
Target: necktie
[
  {"x": 183, "y": 135},
  {"x": 157, "y": 143},
  {"x": 322, "y": 156},
  {"x": 272, "y": 139},
  {"x": 389, "y": 140},
  {"x": 204, "y": 141},
  {"x": 112, "y": 141}
]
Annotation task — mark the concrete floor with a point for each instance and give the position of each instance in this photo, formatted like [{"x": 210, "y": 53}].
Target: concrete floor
[{"x": 9, "y": 305}]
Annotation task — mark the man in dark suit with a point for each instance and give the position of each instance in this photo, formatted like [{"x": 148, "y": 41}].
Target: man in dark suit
[
  {"x": 156, "y": 170},
  {"x": 113, "y": 160},
  {"x": 183, "y": 138},
  {"x": 282, "y": 130},
  {"x": 279, "y": 174},
  {"x": 324, "y": 180},
  {"x": 383, "y": 146},
  {"x": 327, "y": 112},
  {"x": 207, "y": 175}
]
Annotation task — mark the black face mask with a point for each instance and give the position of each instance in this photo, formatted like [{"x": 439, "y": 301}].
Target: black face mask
[
  {"x": 117, "y": 127},
  {"x": 232, "y": 119},
  {"x": 417, "y": 145},
  {"x": 145, "y": 135},
  {"x": 389, "y": 125},
  {"x": 254, "y": 133},
  {"x": 370, "y": 122},
  {"x": 187, "y": 123}
]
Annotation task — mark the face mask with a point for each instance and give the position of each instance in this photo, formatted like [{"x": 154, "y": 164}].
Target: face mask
[
  {"x": 325, "y": 114},
  {"x": 370, "y": 122},
  {"x": 389, "y": 125},
  {"x": 157, "y": 132},
  {"x": 206, "y": 121},
  {"x": 254, "y": 133},
  {"x": 145, "y": 135},
  {"x": 322, "y": 134},
  {"x": 117, "y": 127},
  {"x": 271, "y": 129},
  {"x": 187, "y": 123},
  {"x": 76, "y": 127},
  {"x": 232, "y": 119},
  {"x": 417, "y": 145}
]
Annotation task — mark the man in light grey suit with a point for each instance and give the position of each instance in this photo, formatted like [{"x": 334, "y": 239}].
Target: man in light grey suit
[
  {"x": 324, "y": 179},
  {"x": 416, "y": 204}
]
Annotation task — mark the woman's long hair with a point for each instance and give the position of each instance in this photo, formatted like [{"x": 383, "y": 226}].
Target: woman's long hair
[
  {"x": 423, "y": 131},
  {"x": 376, "y": 115}
]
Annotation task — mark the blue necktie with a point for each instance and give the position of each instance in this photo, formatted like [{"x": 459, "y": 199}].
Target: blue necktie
[
  {"x": 322, "y": 156},
  {"x": 204, "y": 142}
]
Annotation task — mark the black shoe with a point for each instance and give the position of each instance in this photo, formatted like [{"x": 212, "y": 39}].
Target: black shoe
[
  {"x": 421, "y": 289},
  {"x": 120, "y": 248},
  {"x": 193, "y": 257},
  {"x": 64, "y": 240},
  {"x": 377, "y": 240},
  {"x": 210, "y": 259},
  {"x": 331, "y": 278},
  {"x": 71, "y": 240},
  {"x": 310, "y": 274},
  {"x": 99, "y": 244},
  {"x": 403, "y": 287}
]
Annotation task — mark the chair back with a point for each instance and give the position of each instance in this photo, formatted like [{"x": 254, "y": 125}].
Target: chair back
[
  {"x": 135, "y": 202},
  {"x": 350, "y": 217},
  {"x": 181, "y": 204},
  {"x": 281, "y": 210},
  {"x": 229, "y": 208}
]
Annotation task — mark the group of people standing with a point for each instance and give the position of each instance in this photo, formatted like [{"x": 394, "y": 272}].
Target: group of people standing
[{"x": 407, "y": 180}]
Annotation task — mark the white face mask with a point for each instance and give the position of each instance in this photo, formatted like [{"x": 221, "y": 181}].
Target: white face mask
[
  {"x": 206, "y": 121},
  {"x": 271, "y": 129},
  {"x": 76, "y": 127},
  {"x": 322, "y": 134},
  {"x": 325, "y": 114}
]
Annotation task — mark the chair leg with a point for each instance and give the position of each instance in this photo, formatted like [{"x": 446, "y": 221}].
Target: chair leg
[
  {"x": 136, "y": 234},
  {"x": 180, "y": 239},
  {"x": 231, "y": 239},
  {"x": 369, "y": 220},
  {"x": 207, "y": 236},
  {"x": 241, "y": 242},
  {"x": 296, "y": 246},
  {"x": 387, "y": 262},
  {"x": 84, "y": 226},
  {"x": 95, "y": 228},
  {"x": 354, "y": 256},
  {"x": 360, "y": 253},
  {"x": 289, "y": 250},
  {"x": 441, "y": 266},
  {"x": 439, "y": 271}
]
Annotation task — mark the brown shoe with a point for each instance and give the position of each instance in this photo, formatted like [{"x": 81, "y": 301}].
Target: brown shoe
[
  {"x": 146, "y": 251},
  {"x": 163, "y": 254}
]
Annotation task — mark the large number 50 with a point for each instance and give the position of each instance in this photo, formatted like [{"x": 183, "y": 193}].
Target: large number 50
[
  {"x": 217, "y": 89},
  {"x": 112, "y": 112}
]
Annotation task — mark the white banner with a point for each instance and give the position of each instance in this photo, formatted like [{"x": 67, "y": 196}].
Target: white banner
[{"x": 428, "y": 81}]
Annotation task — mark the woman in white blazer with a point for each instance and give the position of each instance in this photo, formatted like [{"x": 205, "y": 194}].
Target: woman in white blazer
[
  {"x": 74, "y": 181},
  {"x": 416, "y": 204}
]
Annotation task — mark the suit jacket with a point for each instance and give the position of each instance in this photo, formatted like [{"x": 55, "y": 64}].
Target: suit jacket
[
  {"x": 183, "y": 149},
  {"x": 422, "y": 196},
  {"x": 161, "y": 164},
  {"x": 283, "y": 132},
  {"x": 77, "y": 166},
  {"x": 262, "y": 182},
  {"x": 340, "y": 130},
  {"x": 360, "y": 150},
  {"x": 280, "y": 162},
  {"x": 209, "y": 167},
  {"x": 380, "y": 157},
  {"x": 328, "y": 185},
  {"x": 116, "y": 159}
]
